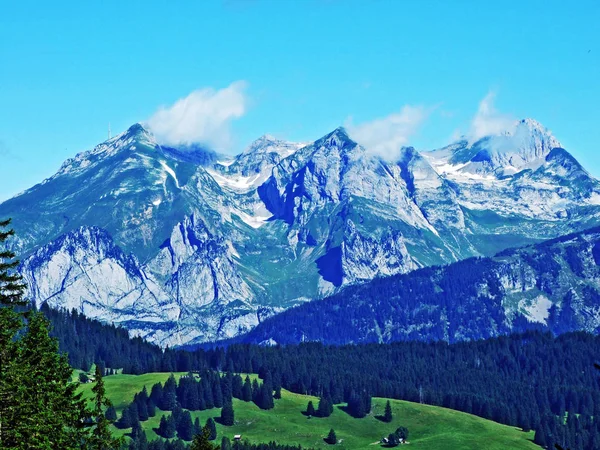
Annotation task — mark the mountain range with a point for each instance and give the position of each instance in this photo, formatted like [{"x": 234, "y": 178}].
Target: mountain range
[{"x": 182, "y": 245}]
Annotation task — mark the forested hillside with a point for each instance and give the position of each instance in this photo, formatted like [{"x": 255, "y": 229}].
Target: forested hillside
[
  {"x": 528, "y": 380},
  {"x": 551, "y": 286}
]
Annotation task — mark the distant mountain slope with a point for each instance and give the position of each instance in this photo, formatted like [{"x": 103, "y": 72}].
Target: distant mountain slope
[
  {"x": 182, "y": 245},
  {"x": 554, "y": 285}
]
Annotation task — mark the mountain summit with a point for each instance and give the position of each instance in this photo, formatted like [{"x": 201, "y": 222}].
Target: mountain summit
[{"x": 181, "y": 245}]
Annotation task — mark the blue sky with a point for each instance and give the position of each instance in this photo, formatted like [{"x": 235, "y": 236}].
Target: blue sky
[{"x": 294, "y": 69}]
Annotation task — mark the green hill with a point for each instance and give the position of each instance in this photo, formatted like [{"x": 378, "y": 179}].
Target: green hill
[{"x": 430, "y": 427}]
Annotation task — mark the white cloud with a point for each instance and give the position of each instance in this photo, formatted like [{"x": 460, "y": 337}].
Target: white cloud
[
  {"x": 386, "y": 136},
  {"x": 204, "y": 116},
  {"x": 488, "y": 121}
]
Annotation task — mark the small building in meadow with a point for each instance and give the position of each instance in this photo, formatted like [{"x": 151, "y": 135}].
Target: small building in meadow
[{"x": 237, "y": 437}]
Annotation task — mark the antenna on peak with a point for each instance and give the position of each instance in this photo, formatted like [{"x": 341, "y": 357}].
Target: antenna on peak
[{"x": 108, "y": 130}]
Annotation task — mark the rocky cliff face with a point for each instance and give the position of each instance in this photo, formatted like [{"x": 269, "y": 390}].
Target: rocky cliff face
[{"x": 182, "y": 245}]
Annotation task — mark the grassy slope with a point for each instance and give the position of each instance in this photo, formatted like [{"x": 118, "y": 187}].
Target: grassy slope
[{"x": 430, "y": 427}]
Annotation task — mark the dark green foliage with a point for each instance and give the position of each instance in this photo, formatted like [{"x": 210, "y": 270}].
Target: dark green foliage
[
  {"x": 247, "y": 390},
  {"x": 359, "y": 405},
  {"x": 83, "y": 377},
  {"x": 169, "y": 395},
  {"x": 310, "y": 409},
  {"x": 11, "y": 285},
  {"x": 185, "y": 427},
  {"x": 139, "y": 440},
  {"x": 263, "y": 394},
  {"x": 87, "y": 340},
  {"x": 387, "y": 415},
  {"x": 156, "y": 394},
  {"x": 101, "y": 438},
  {"x": 111, "y": 414},
  {"x": 202, "y": 441},
  {"x": 212, "y": 429},
  {"x": 167, "y": 427},
  {"x": 225, "y": 443},
  {"x": 397, "y": 437},
  {"x": 325, "y": 408},
  {"x": 39, "y": 405},
  {"x": 402, "y": 433},
  {"x": 331, "y": 437},
  {"x": 227, "y": 415}
]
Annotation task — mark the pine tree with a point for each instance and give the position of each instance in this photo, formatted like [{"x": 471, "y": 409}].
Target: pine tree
[
  {"x": 197, "y": 427},
  {"x": 325, "y": 408},
  {"x": 202, "y": 442},
  {"x": 11, "y": 295},
  {"x": 139, "y": 441},
  {"x": 185, "y": 427},
  {"x": 227, "y": 414},
  {"x": 387, "y": 415},
  {"x": 47, "y": 411},
  {"x": 167, "y": 428},
  {"x": 225, "y": 443},
  {"x": 125, "y": 420},
  {"x": 247, "y": 390},
  {"x": 11, "y": 286},
  {"x": 169, "y": 395},
  {"x": 331, "y": 437},
  {"x": 111, "y": 414},
  {"x": 101, "y": 438},
  {"x": 212, "y": 428},
  {"x": 310, "y": 409}
]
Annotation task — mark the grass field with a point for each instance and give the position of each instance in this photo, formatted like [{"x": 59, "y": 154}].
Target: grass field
[{"x": 429, "y": 427}]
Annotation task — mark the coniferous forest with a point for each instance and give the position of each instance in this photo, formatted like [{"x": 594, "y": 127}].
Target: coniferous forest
[{"x": 529, "y": 380}]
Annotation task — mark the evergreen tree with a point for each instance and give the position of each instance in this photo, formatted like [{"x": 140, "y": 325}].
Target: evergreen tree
[
  {"x": 256, "y": 394},
  {"x": 225, "y": 443},
  {"x": 167, "y": 428},
  {"x": 236, "y": 386},
  {"x": 11, "y": 285},
  {"x": 156, "y": 394},
  {"x": 387, "y": 415},
  {"x": 125, "y": 420},
  {"x": 151, "y": 408},
  {"x": 101, "y": 438},
  {"x": 227, "y": 414},
  {"x": 325, "y": 408},
  {"x": 185, "y": 427},
  {"x": 111, "y": 414},
  {"x": 247, "y": 390},
  {"x": 277, "y": 394},
  {"x": 197, "y": 427},
  {"x": 169, "y": 395},
  {"x": 139, "y": 441},
  {"x": 212, "y": 428},
  {"x": 264, "y": 397},
  {"x": 310, "y": 409},
  {"x": 40, "y": 406},
  {"x": 202, "y": 441},
  {"x": 331, "y": 437}
]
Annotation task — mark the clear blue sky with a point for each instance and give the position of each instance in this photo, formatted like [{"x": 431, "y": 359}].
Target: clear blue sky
[{"x": 68, "y": 68}]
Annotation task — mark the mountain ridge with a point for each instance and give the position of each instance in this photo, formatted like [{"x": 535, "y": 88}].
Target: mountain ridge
[{"x": 282, "y": 223}]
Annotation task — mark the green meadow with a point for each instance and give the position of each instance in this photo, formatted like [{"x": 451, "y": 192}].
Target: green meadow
[{"x": 430, "y": 427}]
